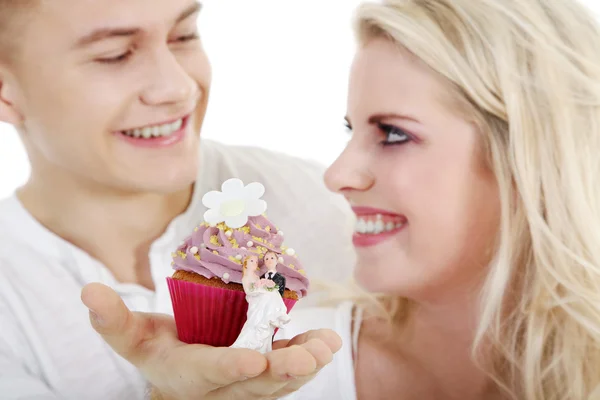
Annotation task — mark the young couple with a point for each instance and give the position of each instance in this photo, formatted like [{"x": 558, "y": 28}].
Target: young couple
[{"x": 472, "y": 172}]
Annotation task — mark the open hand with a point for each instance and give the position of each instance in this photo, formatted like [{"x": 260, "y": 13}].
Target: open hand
[{"x": 181, "y": 371}]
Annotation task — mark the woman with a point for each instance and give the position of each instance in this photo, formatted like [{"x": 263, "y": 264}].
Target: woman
[
  {"x": 476, "y": 134},
  {"x": 473, "y": 170},
  {"x": 266, "y": 310}
]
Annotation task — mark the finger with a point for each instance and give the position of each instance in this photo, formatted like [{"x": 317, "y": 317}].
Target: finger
[
  {"x": 322, "y": 354},
  {"x": 123, "y": 330},
  {"x": 283, "y": 363},
  {"x": 328, "y": 336},
  {"x": 201, "y": 369}
]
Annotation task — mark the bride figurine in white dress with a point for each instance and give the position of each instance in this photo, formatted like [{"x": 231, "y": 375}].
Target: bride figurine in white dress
[{"x": 266, "y": 310}]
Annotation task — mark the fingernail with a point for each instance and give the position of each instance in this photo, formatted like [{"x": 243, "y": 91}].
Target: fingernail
[{"x": 96, "y": 318}]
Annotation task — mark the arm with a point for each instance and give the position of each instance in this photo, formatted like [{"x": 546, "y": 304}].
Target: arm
[
  {"x": 252, "y": 287},
  {"x": 282, "y": 281}
]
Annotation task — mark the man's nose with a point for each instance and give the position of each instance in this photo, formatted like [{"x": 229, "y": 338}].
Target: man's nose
[{"x": 168, "y": 82}]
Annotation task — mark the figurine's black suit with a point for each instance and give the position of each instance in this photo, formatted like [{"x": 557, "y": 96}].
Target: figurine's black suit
[{"x": 277, "y": 278}]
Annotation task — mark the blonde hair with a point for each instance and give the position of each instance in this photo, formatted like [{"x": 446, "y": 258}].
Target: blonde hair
[{"x": 527, "y": 72}]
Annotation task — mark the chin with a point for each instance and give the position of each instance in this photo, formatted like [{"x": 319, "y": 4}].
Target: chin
[
  {"x": 369, "y": 279},
  {"x": 162, "y": 180},
  {"x": 388, "y": 279}
]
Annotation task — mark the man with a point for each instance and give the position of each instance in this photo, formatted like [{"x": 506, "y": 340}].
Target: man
[
  {"x": 109, "y": 98},
  {"x": 270, "y": 261}
]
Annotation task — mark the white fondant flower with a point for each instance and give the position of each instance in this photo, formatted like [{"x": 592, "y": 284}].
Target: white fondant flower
[{"x": 234, "y": 203}]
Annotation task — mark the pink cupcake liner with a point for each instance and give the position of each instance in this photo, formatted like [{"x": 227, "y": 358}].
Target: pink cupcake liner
[{"x": 209, "y": 315}]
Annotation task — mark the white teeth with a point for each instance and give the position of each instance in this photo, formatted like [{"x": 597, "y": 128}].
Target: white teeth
[
  {"x": 361, "y": 226},
  {"x": 155, "y": 131},
  {"x": 378, "y": 227},
  {"x": 368, "y": 226}
]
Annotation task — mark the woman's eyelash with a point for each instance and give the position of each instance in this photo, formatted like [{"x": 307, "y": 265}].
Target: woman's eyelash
[{"x": 393, "y": 135}]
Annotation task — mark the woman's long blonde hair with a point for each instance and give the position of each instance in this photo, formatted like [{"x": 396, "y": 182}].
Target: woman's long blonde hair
[{"x": 527, "y": 72}]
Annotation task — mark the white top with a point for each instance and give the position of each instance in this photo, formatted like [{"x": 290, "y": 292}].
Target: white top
[
  {"x": 48, "y": 350},
  {"x": 336, "y": 380}
]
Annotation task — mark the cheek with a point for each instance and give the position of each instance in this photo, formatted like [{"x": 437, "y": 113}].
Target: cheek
[
  {"x": 89, "y": 102},
  {"x": 457, "y": 221},
  {"x": 197, "y": 66},
  {"x": 452, "y": 208}
]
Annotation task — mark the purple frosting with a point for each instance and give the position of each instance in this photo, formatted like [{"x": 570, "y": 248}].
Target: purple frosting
[{"x": 210, "y": 252}]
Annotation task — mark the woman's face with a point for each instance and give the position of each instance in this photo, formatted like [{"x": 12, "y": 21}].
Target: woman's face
[
  {"x": 112, "y": 92},
  {"x": 252, "y": 264},
  {"x": 426, "y": 206}
]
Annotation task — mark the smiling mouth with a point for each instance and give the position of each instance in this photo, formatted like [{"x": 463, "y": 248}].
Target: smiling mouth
[
  {"x": 155, "y": 131},
  {"x": 376, "y": 224}
]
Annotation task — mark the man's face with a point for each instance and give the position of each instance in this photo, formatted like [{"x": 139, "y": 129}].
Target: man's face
[
  {"x": 112, "y": 92},
  {"x": 270, "y": 261}
]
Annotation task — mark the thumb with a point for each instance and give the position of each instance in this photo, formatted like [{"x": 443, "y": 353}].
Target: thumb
[{"x": 124, "y": 331}]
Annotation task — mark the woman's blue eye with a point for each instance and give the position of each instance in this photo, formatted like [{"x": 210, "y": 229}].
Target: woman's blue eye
[{"x": 394, "y": 135}]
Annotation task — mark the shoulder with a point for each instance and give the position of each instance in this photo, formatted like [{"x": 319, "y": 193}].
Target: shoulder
[
  {"x": 240, "y": 155},
  {"x": 271, "y": 168},
  {"x": 23, "y": 241},
  {"x": 293, "y": 185}
]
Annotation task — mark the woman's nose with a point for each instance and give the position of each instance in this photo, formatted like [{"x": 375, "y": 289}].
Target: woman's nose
[{"x": 350, "y": 171}]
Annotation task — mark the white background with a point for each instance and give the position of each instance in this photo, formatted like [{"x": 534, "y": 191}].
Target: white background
[{"x": 280, "y": 70}]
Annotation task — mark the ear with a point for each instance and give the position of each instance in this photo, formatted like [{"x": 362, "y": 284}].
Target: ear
[{"x": 9, "y": 113}]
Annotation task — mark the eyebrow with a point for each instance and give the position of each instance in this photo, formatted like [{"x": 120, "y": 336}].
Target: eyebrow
[
  {"x": 106, "y": 33},
  {"x": 378, "y": 118}
]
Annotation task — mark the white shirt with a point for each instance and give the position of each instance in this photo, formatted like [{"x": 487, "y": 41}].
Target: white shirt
[
  {"x": 48, "y": 349},
  {"x": 336, "y": 380}
]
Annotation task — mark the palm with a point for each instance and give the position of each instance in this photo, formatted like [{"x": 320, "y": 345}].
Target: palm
[{"x": 190, "y": 371}]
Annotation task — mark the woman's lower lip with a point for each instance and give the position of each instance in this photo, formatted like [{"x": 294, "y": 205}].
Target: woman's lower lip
[
  {"x": 160, "y": 141},
  {"x": 368, "y": 240}
]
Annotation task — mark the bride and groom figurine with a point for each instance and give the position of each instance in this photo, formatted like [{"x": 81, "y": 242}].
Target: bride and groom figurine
[{"x": 266, "y": 309}]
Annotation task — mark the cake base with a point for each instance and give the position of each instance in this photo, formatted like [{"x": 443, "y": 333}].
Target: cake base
[{"x": 218, "y": 283}]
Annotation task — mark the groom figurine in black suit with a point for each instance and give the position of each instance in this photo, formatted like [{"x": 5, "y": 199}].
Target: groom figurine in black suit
[{"x": 270, "y": 260}]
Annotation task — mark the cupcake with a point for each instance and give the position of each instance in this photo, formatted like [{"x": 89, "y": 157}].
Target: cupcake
[{"x": 209, "y": 302}]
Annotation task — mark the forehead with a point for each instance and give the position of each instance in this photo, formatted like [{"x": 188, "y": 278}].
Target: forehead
[
  {"x": 73, "y": 18},
  {"x": 385, "y": 75}
]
